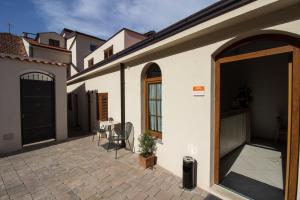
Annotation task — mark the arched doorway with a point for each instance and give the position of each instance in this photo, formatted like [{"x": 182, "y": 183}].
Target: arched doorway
[
  {"x": 151, "y": 77},
  {"x": 258, "y": 76},
  {"x": 37, "y": 107}
]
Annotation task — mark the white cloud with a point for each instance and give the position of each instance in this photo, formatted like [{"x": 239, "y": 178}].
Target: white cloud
[{"x": 103, "y": 18}]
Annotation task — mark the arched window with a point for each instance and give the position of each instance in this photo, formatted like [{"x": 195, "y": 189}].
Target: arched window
[{"x": 153, "y": 99}]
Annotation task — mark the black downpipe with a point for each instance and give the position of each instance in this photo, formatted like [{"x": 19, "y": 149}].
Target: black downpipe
[
  {"x": 122, "y": 81},
  {"x": 89, "y": 110}
]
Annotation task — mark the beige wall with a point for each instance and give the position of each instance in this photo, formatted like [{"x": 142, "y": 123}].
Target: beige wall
[
  {"x": 44, "y": 38},
  {"x": 10, "y": 121},
  {"x": 50, "y": 54},
  {"x": 187, "y": 124},
  {"x": 188, "y": 120}
]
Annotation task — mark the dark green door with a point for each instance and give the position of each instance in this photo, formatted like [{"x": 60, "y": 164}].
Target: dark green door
[{"x": 37, "y": 107}]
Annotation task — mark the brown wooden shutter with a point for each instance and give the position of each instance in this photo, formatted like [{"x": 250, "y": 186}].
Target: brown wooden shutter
[
  {"x": 91, "y": 62},
  {"x": 105, "y": 54},
  {"x": 102, "y": 106},
  {"x": 108, "y": 52}
]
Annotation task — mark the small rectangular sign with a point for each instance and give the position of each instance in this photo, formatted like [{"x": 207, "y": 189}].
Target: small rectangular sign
[{"x": 198, "y": 90}]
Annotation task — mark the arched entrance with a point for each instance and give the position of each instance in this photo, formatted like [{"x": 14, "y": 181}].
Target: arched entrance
[
  {"x": 258, "y": 76},
  {"x": 37, "y": 107}
]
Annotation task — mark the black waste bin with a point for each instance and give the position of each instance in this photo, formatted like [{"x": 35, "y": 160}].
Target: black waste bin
[{"x": 188, "y": 173}]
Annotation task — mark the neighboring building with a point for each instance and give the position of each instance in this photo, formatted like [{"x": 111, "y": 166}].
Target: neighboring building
[
  {"x": 33, "y": 104},
  {"x": 51, "y": 39},
  {"x": 118, "y": 42},
  {"x": 80, "y": 44},
  {"x": 68, "y": 47},
  {"x": 48, "y": 45},
  {"x": 193, "y": 85}
]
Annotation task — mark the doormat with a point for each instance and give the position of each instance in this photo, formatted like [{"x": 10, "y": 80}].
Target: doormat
[
  {"x": 211, "y": 197},
  {"x": 251, "y": 188}
]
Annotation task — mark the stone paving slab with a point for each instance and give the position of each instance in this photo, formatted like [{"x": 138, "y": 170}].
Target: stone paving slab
[{"x": 80, "y": 169}]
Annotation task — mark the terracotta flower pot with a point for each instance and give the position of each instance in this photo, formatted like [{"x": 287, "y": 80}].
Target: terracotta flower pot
[{"x": 147, "y": 162}]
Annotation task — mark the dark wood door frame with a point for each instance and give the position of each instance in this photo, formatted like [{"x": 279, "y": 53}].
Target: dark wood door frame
[
  {"x": 292, "y": 158},
  {"x": 148, "y": 81}
]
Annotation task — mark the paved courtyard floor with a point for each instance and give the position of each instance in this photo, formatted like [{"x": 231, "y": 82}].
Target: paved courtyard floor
[{"x": 79, "y": 169}]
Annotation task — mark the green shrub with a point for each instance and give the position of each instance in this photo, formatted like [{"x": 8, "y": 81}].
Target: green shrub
[{"x": 147, "y": 144}]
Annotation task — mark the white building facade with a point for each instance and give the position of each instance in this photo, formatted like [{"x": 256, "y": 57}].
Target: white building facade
[{"x": 188, "y": 55}]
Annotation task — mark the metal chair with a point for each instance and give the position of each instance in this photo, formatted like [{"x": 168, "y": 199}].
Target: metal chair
[
  {"x": 101, "y": 131},
  {"x": 117, "y": 137},
  {"x": 128, "y": 130}
]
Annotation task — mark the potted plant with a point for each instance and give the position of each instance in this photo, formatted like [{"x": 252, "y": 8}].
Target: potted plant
[{"x": 147, "y": 147}]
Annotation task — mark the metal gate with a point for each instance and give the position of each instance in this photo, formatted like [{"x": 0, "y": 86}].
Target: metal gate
[{"x": 37, "y": 107}]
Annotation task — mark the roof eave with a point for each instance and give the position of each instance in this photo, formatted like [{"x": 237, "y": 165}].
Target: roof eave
[
  {"x": 30, "y": 59},
  {"x": 49, "y": 47}
]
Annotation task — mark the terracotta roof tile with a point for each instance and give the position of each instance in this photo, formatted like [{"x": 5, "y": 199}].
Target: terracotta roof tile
[
  {"x": 12, "y": 44},
  {"x": 30, "y": 59}
]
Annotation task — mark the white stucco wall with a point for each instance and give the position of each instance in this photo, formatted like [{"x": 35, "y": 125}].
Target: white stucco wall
[
  {"x": 50, "y": 54},
  {"x": 118, "y": 43},
  {"x": 10, "y": 114},
  {"x": 44, "y": 38},
  {"x": 188, "y": 120}
]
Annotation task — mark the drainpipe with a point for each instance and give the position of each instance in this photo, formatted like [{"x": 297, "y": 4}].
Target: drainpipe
[{"x": 122, "y": 86}]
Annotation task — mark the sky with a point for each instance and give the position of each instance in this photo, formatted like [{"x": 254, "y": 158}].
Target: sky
[{"x": 101, "y": 18}]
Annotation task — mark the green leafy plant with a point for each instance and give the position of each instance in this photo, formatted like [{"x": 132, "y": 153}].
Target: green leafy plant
[{"x": 147, "y": 144}]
